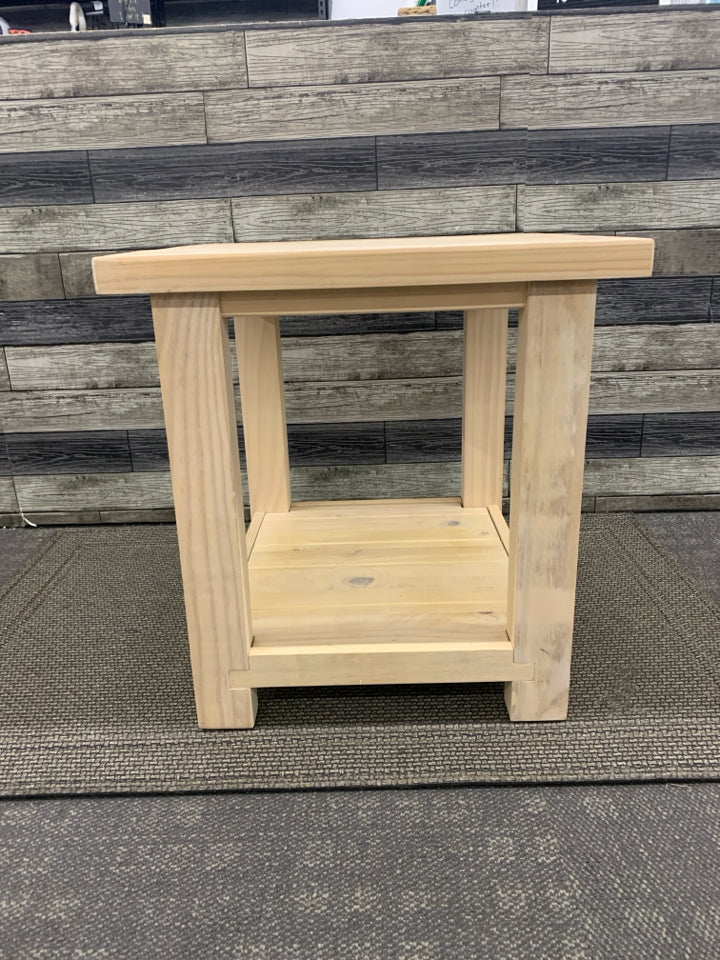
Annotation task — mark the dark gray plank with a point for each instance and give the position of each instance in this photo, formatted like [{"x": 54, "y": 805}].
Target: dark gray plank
[
  {"x": 619, "y": 206},
  {"x": 645, "y": 476},
  {"x": 715, "y": 300},
  {"x": 44, "y": 178},
  {"x": 451, "y": 159},
  {"x": 81, "y": 452},
  {"x": 453, "y": 319},
  {"x": 602, "y": 156},
  {"x": 695, "y": 252},
  {"x": 138, "y": 516},
  {"x": 237, "y": 169},
  {"x": 30, "y": 277},
  {"x": 356, "y": 110},
  {"x": 139, "y": 61},
  {"x": 356, "y": 323},
  {"x": 681, "y": 435},
  {"x": 119, "y": 225},
  {"x": 5, "y": 465},
  {"x": 611, "y": 100},
  {"x": 666, "y": 40},
  {"x": 708, "y": 501},
  {"x": 396, "y": 50},
  {"x": 694, "y": 152},
  {"x": 8, "y": 500},
  {"x": 101, "y": 122},
  {"x": 613, "y": 436},
  {"x": 98, "y": 320},
  {"x": 653, "y": 300},
  {"x": 387, "y": 213}
]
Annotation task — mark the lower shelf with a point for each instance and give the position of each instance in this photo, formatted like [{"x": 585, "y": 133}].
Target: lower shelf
[{"x": 399, "y": 591}]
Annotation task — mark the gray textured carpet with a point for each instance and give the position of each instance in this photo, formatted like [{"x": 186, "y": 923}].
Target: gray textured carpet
[
  {"x": 96, "y": 695},
  {"x": 527, "y": 873}
]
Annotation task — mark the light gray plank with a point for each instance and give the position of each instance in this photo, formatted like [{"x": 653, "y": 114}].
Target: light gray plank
[
  {"x": 695, "y": 252},
  {"x": 4, "y": 375},
  {"x": 94, "y": 492},
  {"x": 50, "y": 410},
  {"x": 388, "y": 213},
  {"x": 139, "y": 61},
  {"x": 645, "y": 476},
  {"x": 63, "y": 517},
  {"x": 77, "y": 275},
  {"x": 84, "y": 123},
  {"x": 645, "y": 347},
  {"x": 611, "y": 206},
  {"x": 34, "y": 277},
  {"x": 425, "y": 106},
  {"x": 8, "y": 500},
  {"x": 611, "y": 100},
  {"x": 119, "y": 225},
  {"x": 396, "y": 50},
  {"x": 655, "y": 392},
  {"x": 661, "y": 40},
  {"x": 10, "y": 520},
  {"x": 689, "y": 501}
]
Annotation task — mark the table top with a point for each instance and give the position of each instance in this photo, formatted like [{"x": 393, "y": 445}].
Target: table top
[{"x": 387, "y": 262}]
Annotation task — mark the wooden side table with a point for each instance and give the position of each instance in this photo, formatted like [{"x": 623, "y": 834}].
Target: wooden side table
[{"x": 377, "y": 591}]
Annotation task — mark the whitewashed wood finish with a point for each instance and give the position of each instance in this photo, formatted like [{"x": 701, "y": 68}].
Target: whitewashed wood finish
[
  {"x": 66, "y": 227},
  {"x": 194, "y": 358},
  {"x": 353, "y": 110},
  {"x": 143, "y": 62},
  {"x": 83, "y": 123},
  {"x": 644, "y": 347},
  {"x": 8, "y": 500},
  {"x": 263, "y": 413},
  {"x": 611, "y": 99},
  {"x": 609, "y": 206},
  {"x": 483, "y": 414},
  {"x": 691, "y": 501},
  {"x": 645, "y": 476},
  {"x": 554, "y": 357},
  {"x": 100, "y": 491},
  {"x": 30, "y": 277},
  {"x": 388, "y": 213},
  {"x": 389, "y": 50},
  {"x": 654, "y": 40}
]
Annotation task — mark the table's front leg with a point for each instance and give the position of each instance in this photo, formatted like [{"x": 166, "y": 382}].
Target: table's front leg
[
  {"x": 195, "y": 374},
  {"x": 550, "y": 423}
]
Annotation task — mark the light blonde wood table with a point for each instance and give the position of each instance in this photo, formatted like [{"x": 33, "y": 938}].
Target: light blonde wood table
[{"x": 377, "y": 591}]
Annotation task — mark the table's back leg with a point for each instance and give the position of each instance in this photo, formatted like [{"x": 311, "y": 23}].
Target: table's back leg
[
  {"x": 551, "y": 405},
  {"x": 483, "y": 425},
  {"x": 195, "y": 374},
  {"x": 263, "y": 413}
]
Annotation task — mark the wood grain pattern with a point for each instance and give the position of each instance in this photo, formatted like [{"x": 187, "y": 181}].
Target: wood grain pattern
[
  {"x": 83, "y": 321},
  {"x": 626, "y": 206},
  {"x": 645, "y": 476},
  {"x": 137, "y": 516},
  {"x": 5, "y": 464},
  {"x": 84, "y": 452},
  {"x": 684, "y": 251},
  {"x": 545, "y": 498},
  {"x": 393, "y": 50},
  {"x": 611, "y": 100},
  {"x": 47, "y": 494},
  {"x": 311, "y": 325},
  {"x": 715, "y": 300},
  {"x": 653, "y": 300},
  {"x": 237, "y": 169},
  {"x": 655, "y": 502},
  {"x": 681, "y": 434},
  {"x": 101, "y": 122},
  {"x": 352, "y": 110},
  {"x": 4, "y": 375},
  {"x": 77, "y": 275},
  {"x": 44, "y": 178},
  {"x": 194, "y": 359},
  {"x": 31, "y": 229},
  {"x": 263, "y": 413},
  {"x": 8, "y": 500},
  {"x": 694, "y": 152},
  {"x": 667, "y": 40},
  {"x": 451, "y": 159},
  {"x": 50, "y": 410},
  {"x": 33, "y": 277},
  {"x": 137, "y": 62},
  {"x": 610, "y": 155}
]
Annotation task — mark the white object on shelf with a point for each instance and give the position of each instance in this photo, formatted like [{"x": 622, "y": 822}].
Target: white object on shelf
[
  {"x": 359, "y": 10},
  {"x": 484, "y": 6}
]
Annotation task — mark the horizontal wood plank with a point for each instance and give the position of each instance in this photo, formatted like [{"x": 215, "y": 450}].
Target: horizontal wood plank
[
  {"x": 77, "y": 275},
  {"x": 396, "y": 50},
  {"x": 30, "y": 178},
  {"x": 645, "y": 476},
  {"x": 77, "y": 453},
  {"x": 136, "y": 62},
  {"x": 615, "y": 206},
  {"x": 694, "y": 152},
  {"x": 8, "y": 500},
  {"x": 94, "y": 492},
  {"x": 237, "y": 169},
  {"x": 667, "y": 40},
  {"x": 656, "y": 502},
  {"x": 81, "y": 321},
  {"x": 4, "y": 375},
  {"x": 684, "y": 251},
  {"x": 681, "y": 435},
  {"x": 611, "y": 100},
  {"x": 120, "y": 225},
  {"x": 653, "y": 300},
  {"x": 355, "y": 110},
  {"x": 30, "y": 277}
]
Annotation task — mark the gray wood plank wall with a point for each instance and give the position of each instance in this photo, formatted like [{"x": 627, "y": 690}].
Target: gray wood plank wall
[{"x": 593, "y": 122}]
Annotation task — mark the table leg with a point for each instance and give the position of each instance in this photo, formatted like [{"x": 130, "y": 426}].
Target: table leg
[
  {"x": 195, "y": 374},
  {"x": 550, "y": 422},
  {"x": 483, "y": 438}
]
